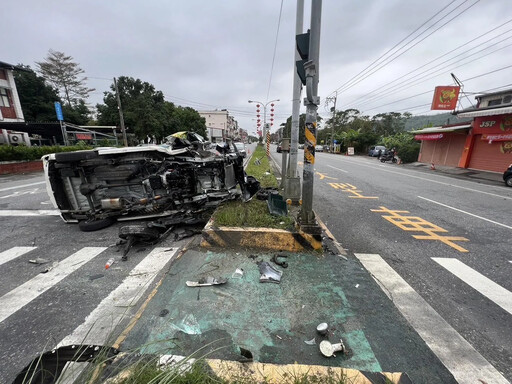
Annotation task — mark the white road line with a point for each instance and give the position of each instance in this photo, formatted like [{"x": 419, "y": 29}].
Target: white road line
[
  {"x": 21, "y": 186},
  {"x": 467, "y": 213},
  {"x": 108, "y": 314},
  {"x": 26, "y": 212},
  {"x": 13, "y": 253},
  {"x": 459, "y": 357},
  {"x": 25, "y": 293},
  {"x": 431, "y": 180},
  {"x": 476, "y": 280},
  {"x": 338, "y": 169}
]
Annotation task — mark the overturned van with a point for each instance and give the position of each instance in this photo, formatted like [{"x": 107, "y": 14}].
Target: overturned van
[{"x": 98, "y": 187}]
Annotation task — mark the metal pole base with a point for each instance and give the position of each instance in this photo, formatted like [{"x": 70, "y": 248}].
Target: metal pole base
[{"x": 309, "y": 224}]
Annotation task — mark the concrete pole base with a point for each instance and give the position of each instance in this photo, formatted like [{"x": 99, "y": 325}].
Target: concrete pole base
[{"x": 292, "y": 189}]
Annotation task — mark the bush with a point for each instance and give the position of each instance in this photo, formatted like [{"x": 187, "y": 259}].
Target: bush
[
  {"x": 24, "y": 153},
  {"x": 406, "y": 147}
]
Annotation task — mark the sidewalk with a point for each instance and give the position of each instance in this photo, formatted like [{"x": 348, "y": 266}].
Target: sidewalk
[{"x": 484, "y": 177}]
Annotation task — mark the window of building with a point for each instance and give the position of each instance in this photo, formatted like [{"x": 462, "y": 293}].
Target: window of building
[
  {"x": 4, "y": 98},
  {"x": 507, "y": 99},
  {"x": 3, "y": 75},
  {"x": 494, "y": 102}
]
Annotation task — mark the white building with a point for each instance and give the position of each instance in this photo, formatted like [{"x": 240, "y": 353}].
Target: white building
[
  {"x": 220, "y": 125},
  {"x": 10, "y": 107}
]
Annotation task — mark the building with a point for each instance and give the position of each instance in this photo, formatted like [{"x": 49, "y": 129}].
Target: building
[
  {"x": 483, "y": 144},
  {"x": 220, "y": 125},
  {"x": 10, "y": 107}
]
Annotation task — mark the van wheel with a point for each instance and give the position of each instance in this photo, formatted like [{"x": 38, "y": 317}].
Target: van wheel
[
  {"x": 96, "y": 224},
  {"x": 508, "y": 181}
]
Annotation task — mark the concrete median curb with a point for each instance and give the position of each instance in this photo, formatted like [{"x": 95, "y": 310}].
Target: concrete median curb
[{"x": 261, "y": 238}]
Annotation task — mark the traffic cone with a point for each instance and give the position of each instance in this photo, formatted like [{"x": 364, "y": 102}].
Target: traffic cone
[{"x": 432, "y": 167}]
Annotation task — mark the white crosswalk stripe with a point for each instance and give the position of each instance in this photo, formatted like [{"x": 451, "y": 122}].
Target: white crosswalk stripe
[
  {"x": 13, "y": 253},
  {"x": 476, "y": 280},
  {"x": 458, "y": 356},
  {"x": 108, "y": 314},
  {"x": 16, "y": 299}
]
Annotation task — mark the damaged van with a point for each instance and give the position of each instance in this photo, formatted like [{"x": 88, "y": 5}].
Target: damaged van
[{"x": 101, "y": 186}]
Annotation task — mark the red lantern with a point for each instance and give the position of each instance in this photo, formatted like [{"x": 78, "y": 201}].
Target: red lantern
[
  {"x": 272, "y": 104},
  {"x": 257, "y": 105}
]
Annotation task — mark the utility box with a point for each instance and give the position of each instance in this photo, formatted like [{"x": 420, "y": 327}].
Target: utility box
[{"x": 285, "y": 144}]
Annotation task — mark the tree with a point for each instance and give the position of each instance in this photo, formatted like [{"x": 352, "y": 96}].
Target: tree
[
  {"x": 61, "y": 72},
  {"x": 386, "y": 124},
  {"x": 146, "y": 113},
  {"x": 36, "y": 97}
]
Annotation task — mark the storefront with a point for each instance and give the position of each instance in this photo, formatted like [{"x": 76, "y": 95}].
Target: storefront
[
  {"x": 442, "y": 145},
  {"x": 491, "y": 148}
]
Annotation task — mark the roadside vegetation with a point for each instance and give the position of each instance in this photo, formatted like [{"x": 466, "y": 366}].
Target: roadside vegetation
[
  {"x": 254, "y": 213},
  {"x": 22, "y": 152}
]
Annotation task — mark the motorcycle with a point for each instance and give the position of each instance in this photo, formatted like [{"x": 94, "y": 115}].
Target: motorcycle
[{"x": 388, "y": 156}]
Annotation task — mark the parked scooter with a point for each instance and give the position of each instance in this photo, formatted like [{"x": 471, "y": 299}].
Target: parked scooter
[{"x": 389, "y": 155}]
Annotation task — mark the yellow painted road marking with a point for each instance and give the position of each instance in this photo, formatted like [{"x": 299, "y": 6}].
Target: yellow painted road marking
[
  {"x": 349, "y": 188},
  {"x": 417, "y": 224},
  {"x": 324, "y": 176}
]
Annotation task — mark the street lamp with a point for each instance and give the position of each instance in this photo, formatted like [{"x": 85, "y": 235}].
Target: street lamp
[{"x": 266, "y": 130}]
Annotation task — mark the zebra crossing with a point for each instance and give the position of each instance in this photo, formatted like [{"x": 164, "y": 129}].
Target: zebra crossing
[
  {"x": 465, "y": 363},
  {"x": 114, "y": 309}
]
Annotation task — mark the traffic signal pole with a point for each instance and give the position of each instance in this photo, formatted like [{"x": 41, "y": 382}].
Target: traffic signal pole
[
  {"x": 292, "y": 180},
  {"x": 307, "y": 218}
]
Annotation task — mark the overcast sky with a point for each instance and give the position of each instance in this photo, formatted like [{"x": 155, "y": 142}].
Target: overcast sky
[{"x": 211, "y": 54}]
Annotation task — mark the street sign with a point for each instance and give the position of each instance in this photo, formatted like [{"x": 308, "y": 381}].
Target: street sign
[{"x": 58, "y": 110}]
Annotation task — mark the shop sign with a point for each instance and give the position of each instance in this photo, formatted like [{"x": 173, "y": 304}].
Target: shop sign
[
  {"x": 497, "y": 137},
  {"x": 445, "y": 98},
  {"x": 83, "y": 136},
  {"x": 429, "y": 136},
  {"x": 493, "y": 124}
]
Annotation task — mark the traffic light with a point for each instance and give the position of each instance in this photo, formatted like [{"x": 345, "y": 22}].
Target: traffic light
[{"x": 303, "y": 49}]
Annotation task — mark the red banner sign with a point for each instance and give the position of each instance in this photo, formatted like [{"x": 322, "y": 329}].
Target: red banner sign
[
  {"x": 497, "y": 136},
  {"x": 430, "y": 136},
  {"x": 83, "y": 136},
  {"x": 445, "y": 98}
]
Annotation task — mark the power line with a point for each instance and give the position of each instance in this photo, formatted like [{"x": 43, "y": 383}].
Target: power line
[
  {"x": 391, "y": 59},
  {"x": 408, "y": 83},
  {"x": 369, "y": 67},
  {"x": 275, "y": 49},
  {"x": 430, "y": 91},
  {"x": 385, "y": 88}
]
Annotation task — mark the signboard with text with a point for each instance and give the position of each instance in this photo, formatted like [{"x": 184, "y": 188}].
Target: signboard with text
[
  {"x": 445, "y": 98},
  {"x": 429, "y": 136},
  {"x": 58, "y": 110}
]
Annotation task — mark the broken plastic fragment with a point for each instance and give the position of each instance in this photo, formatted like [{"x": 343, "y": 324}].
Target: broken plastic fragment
[
  {"x": 206, "y": 281},
  {"x": 328, "y": 349},
  {"x": 322, "y": 328},
  {"x": 39, "y": 260},
  {"x": 268, "y": 274},
  {"x": 310, "y": 342},
  {"x": 238, "y": 274}
]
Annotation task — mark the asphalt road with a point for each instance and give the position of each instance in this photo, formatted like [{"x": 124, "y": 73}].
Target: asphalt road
[
  {"x": 457, "y": 271},
  {"x": 38, "y": 311}
]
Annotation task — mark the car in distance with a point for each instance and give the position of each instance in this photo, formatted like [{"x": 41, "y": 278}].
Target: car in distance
[
  {"x": 241, "y": 149},
  {"x": 319, "y": 148},
  {"x": 301, "y": 146},
  {"x": 507, "y": 176},
  {"x": 279, "y": 148},
  {"x": 376, "y": 150}
]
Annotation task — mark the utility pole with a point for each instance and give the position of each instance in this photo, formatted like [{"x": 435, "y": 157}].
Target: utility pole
[
  {"x": 307, "y": 219},
  {"x": 121, "y": 118},
  {"x": 292, "y": 181},
  {"x": 329, "y": 100}
]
